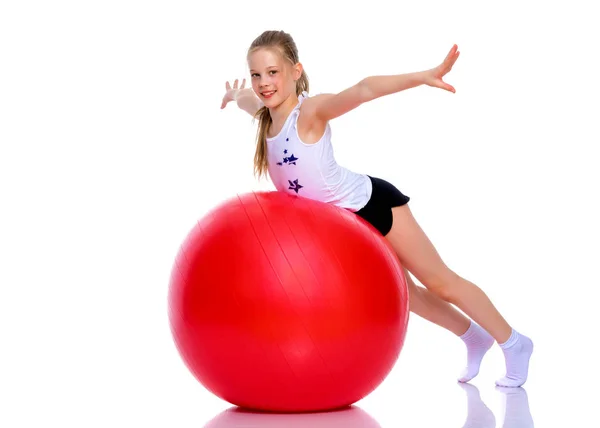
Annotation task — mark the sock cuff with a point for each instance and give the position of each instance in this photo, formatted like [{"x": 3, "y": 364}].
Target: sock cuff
[
  {"x": 471, "y": 331},
  {"x": 514, "y": 337}
]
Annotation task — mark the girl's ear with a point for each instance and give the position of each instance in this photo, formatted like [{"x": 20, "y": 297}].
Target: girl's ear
[{"x": 298, "y": 70}]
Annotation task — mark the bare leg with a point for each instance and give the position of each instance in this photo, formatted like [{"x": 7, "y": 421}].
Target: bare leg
[
  {"x": 418, "y": 255},
  {"x": 430, "y": 307}
]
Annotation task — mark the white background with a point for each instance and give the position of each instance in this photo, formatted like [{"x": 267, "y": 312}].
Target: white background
[{"x": 112, "y": 145}]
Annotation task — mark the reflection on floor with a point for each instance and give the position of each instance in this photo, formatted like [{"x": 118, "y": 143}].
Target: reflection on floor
[{"x": 515, "y": 414}]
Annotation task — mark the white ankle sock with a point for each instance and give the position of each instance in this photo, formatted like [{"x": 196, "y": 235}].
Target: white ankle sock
[
  {"x": 478, "y": 342},
  {"x": 517, "y": 351}
]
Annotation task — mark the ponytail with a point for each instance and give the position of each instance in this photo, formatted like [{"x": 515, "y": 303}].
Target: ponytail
[
  {"x": 260, "y": 156},
  {"x": 302, "y": 83}
]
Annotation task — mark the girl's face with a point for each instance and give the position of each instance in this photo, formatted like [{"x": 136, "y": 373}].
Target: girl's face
[{"x": 272, "y": 77}]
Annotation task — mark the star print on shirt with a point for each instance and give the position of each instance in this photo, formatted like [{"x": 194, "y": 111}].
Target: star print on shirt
[
  {"x": 294, "y": 185},
  {"x": 290, "y": 160}
]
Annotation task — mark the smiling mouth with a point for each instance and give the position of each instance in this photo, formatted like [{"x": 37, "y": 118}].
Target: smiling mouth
[{"x": 268, "y": 94}]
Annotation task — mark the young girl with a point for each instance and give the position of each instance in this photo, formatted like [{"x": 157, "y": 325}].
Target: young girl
[{"x": 294, "y": 147}]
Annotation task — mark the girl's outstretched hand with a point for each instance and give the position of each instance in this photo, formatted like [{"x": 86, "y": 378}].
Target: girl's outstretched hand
[
  {"x": 435, "y": 76},
  {"x": 230, "y": 93}
]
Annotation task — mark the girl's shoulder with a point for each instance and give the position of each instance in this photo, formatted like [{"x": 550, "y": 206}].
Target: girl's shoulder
[
  {"x": 309, "y": 103},
  {"x": 310, "y": 127}
]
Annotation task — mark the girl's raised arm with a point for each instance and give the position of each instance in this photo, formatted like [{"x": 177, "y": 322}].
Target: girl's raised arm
[{"x": 329, "y": 106}]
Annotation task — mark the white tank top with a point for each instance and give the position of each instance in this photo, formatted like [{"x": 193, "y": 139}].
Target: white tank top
[{"x": 310, "y": 170}]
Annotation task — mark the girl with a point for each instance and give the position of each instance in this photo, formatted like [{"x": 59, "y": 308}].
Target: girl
[{"x": 294, "y": 147}]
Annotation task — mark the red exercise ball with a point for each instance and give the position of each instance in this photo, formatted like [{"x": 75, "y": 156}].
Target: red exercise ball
[{"x": 285, "y": 304}]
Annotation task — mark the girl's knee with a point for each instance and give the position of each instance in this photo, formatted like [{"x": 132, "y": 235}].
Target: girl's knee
[{"x": 444, "y": 285}]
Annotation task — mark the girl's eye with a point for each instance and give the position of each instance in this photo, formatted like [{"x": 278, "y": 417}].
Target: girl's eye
[{"x": 256, "y": 74}]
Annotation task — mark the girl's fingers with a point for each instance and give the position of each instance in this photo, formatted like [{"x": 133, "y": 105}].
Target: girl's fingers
[
  {"x": 235, "y": 84},
  {"x": 452, "y": 55},
  {"x": 447, "y": 86},
  {"x": 448, "y": 64},
  {"x": 454, "y": 58},
  {"x": 450, "y": 52}
]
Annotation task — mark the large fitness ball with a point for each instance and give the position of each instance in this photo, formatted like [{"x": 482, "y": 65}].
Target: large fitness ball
[{"x": 285, "y": 304}]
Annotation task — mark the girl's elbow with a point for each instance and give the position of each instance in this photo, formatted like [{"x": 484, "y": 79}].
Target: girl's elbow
[{"x": 365, "y": 91}]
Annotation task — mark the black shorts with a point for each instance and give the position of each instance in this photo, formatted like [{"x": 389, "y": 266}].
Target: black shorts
[{"x": 378, "y": 211}]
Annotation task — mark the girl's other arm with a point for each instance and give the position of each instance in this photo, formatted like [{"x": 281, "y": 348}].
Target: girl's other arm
[{"x": 329, "y": 106}]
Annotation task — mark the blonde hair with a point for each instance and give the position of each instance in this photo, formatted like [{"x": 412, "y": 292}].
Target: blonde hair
[{"x": 283, "y": 43}]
